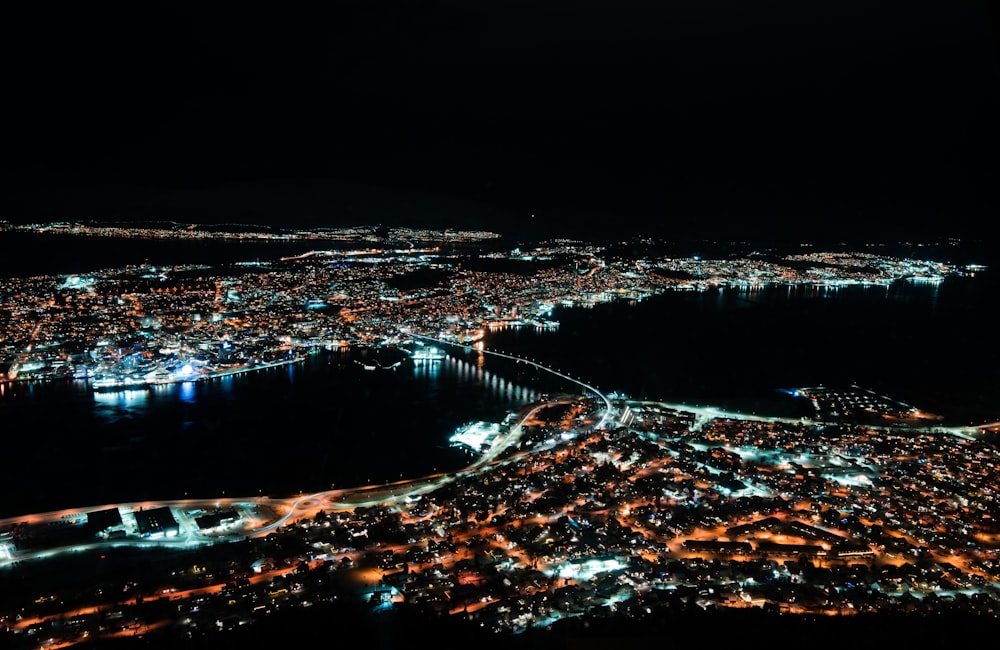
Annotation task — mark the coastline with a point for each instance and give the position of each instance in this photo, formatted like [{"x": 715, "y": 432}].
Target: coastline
[{"x": 204, "y": 376}]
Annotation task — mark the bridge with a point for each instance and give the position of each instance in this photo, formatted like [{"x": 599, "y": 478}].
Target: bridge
[{"x": 609, "y": 410}]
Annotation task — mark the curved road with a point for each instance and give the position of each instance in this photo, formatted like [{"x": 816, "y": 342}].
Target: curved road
[
  {"x": 291, "y": 509},
  {"x": 288, "y": 510},
  {"x": 609, "y": 410}
]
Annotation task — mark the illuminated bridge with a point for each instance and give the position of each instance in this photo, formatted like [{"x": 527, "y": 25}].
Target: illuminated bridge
[{"x": 608, "y": 410}]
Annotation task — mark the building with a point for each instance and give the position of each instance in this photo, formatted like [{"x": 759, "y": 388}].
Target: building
[
  {"x": 157, "y": 522},
  {"x": 105, "y": 521}
]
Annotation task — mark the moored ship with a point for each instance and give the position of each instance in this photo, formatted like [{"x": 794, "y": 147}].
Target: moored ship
[
  {"x": 118, "y": 382},
  {"x": 428, "y": 354}
]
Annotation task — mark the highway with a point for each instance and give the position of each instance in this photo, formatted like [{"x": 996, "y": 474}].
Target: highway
[
  {"x": 259, "y": 516},
  {"x": 609, "y": 409},
  {"x": 705, "y": 414}
]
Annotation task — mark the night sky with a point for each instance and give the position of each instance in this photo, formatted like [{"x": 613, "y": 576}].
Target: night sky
[{"x": 717, "y": 118}]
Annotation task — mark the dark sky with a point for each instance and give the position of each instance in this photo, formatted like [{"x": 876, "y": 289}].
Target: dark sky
[{"x": 707, "y": 117}]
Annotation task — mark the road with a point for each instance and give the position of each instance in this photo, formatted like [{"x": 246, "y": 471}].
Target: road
[
  {"x": 258, "y": 516},
  {"x": 609, "y": 411}
]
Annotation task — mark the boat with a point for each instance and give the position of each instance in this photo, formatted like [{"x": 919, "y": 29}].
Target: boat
[
  {"x": 428, "y": 354},
  {"x": 118, "y": 382},
  {"x": 159, "y": 376}
]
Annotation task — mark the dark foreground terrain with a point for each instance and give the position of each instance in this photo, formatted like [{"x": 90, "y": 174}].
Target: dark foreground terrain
[{"x": 324, "y": 625}]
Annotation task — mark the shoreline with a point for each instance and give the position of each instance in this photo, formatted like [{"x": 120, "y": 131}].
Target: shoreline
[{"x": 207, "y": 376}]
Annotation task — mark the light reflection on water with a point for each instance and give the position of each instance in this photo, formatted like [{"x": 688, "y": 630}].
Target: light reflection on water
[
  {"x": 328, "y": 421},
  {"x": 137, "y": 402},
  {"x": 122, "y": 400},
  {"x": 186, "y": 392},
  {"x": 304, "y": 426}
]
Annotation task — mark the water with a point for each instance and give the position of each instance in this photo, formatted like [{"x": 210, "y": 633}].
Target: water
[
  {"x": 299, "y": 428},
  {"x": 328, "y": 422},
  {"x": 44, "y": 254},
  {"x": 930, "y": 346}
]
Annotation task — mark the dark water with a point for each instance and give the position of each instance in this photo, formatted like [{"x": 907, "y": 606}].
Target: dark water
[
  {"x": 30, "y": 254},
  {"x": 933, "y": 347},
  {"x": 304, "y": 427},
  {"x": 328, "y": 422},
  {"x": 40, "y": 254}
]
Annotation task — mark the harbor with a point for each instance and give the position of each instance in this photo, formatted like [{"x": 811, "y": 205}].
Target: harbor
[{"x": 187, "y": 373}]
